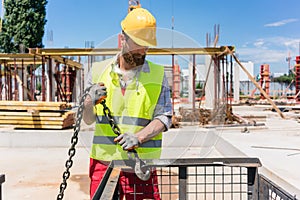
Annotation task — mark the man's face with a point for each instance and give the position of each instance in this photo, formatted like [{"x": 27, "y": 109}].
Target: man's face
[{"x": 133, "y": 53}]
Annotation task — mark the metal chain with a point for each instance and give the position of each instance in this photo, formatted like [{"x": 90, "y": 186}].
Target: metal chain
[
  {"x": 110, "y": 118},
  {"x": 141, "y": 169},
  {"x": 74, "y": 138},
  {"x": 132, "y": 154},
  {"x": 74, "y": 141}
]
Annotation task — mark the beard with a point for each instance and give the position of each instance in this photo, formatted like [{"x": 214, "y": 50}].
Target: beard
[{"x": 133, "y": 59}]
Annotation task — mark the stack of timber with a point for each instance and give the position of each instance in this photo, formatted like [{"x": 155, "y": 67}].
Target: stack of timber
[{"x": 36, "y": 114}]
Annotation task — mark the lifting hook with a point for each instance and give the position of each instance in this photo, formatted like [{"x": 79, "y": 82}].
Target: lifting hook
[{"x": 140, "y": 168}]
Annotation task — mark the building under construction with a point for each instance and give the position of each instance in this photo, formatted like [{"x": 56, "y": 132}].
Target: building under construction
[
  {"x": 221, "y": 144},
  {"x": 53, "y": 93},
  {"x": 49, "y": 75}
]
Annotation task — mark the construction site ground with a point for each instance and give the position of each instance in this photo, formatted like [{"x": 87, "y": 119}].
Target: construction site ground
[{"x": 33, "y": 160}]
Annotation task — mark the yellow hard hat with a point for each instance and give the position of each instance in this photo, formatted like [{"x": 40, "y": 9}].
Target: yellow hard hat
[{"x": 140, "y": 26}]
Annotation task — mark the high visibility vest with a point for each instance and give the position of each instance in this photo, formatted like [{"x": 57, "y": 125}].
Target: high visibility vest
[{"x": 131, "y": 111}]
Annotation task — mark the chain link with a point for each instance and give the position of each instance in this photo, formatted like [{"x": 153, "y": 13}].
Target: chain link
[
  {"x": 110, "y": 118},
  {"x": 132, "y": 154},
  {"x": 72, "y": 150},
  {"x": 74, "y": 138}
]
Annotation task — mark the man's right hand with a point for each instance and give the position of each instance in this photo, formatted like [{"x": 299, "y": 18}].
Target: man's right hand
[{"x": 97, "y": 93}]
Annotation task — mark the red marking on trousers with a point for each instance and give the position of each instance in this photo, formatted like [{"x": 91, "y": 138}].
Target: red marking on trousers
[{"x": 130, "y": 185}]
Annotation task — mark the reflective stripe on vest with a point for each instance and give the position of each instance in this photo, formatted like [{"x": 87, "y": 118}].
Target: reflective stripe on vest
[
  {"x": 132, "y": 111},
  {"x": 124, "y": 120},
  {"x": 110, "y": 140}
]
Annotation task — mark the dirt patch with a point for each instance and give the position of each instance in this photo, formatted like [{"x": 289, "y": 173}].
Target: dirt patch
[
  {"x": 35, "y": 184},
  {"x": 83, "y": 180}
]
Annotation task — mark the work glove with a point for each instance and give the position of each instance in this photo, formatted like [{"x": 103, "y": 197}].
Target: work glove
[
  {"x": 128, "y": 141},
  {"x": 97, "y": 93}
]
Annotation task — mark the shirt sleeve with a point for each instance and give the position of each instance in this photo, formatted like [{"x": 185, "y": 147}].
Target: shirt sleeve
[
  {"x": 163, "y": 109},
  {"x": 89, "y": 81}
]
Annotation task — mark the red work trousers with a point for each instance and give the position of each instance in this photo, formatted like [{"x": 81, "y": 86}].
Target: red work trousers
[{"x": 130, "y": 185}]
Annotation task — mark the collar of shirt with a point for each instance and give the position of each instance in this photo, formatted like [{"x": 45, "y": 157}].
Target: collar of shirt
[
  {"x": 117, "y": 74},
  {"x": 144, "y": 68}
]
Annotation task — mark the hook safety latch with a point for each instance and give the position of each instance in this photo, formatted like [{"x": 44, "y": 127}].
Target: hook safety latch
[{"x": 141, "y": 170}]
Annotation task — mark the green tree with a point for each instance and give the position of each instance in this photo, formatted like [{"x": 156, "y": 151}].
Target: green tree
[
  {"x": 23, "y": 25},
  {"x": 287, "y": 79}
]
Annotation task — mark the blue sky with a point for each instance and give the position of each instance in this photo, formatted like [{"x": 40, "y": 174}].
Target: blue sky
[{"x": 263, "y": 31}]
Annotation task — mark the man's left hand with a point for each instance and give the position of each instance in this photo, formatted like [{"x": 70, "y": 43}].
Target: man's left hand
[{"x": 128, "y": 141}]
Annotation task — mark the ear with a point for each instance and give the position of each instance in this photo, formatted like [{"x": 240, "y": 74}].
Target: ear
[{"x": 122, "y": 37}]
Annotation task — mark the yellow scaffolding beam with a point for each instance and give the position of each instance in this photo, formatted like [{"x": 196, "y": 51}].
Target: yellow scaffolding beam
[
  {"x": 66, "y": 61},
  {"x": 114, "y": 51},
  {"x": 33, "y": 58},
  {"x": 35, "y": 54}
]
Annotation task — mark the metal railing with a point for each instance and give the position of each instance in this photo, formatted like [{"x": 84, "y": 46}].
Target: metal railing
[
  {"x": 2, "y": 180},
  {"x": 205, "y": 178},
  {"x": 270, "y": 190}
]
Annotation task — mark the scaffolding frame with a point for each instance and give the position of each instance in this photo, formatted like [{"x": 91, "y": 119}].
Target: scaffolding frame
[
  {"x": 39, "y": 55},
  {"x": 90, "y": 52},
  {"x": 13, "y": 74}
]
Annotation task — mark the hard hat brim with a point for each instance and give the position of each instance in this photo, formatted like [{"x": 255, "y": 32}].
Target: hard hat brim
[{"x": 143, "y": 37}]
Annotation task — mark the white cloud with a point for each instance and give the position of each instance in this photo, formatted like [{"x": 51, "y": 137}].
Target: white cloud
[
  {"x": 283, "y": 43},
  {"x": 281, "y": 23},
  {"x": 273, "y": 50},
  {"x": 259, "y": 43},
  {"x": 260, "y": 55}
]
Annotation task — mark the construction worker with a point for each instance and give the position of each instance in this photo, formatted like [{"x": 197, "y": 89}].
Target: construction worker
[{"x": 137, "y": 92}]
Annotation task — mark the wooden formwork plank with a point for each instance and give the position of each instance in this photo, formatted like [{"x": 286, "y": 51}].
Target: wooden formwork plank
[
  {"x": 41, "y": 126},
  {"x": 68, "y": 114},
  {"x": 36, "y": 114},
  {"x": 21, "y": 122},
  {"x": 68, "y": 124},
  {"x": 48, "y": 108},
  {"x": 35, "y": 120},
  {"x": 27, "y": 114},
  {"x": 32, "y": 118},
  {"x": 62, "y": 125},
  {"x": 33, "y": 105}
]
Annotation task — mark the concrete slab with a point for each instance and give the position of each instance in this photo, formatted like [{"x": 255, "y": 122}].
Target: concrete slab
[
  {"x": 36, "y": 173},
  {"x": 276, "y": 145},
  {"x": 33, "y": 161},
  {"x": 277, "y": 148},
  {"x": 42, "y": 138}
]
